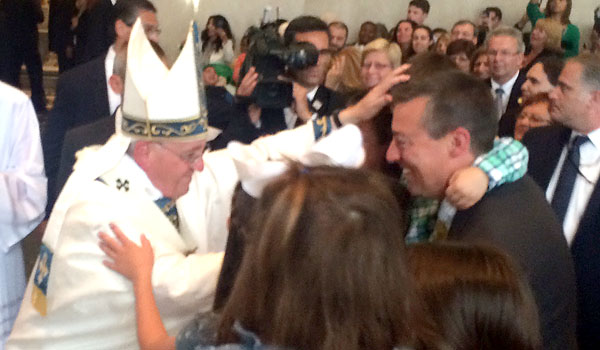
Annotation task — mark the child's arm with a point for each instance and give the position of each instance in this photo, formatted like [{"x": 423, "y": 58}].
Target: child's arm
[
  {"x": 135, "y": 263},
  {"x": 506, "y": 162}
]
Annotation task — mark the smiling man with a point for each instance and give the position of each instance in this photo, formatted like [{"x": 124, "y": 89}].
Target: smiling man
[{"x": 444, "y": 124}]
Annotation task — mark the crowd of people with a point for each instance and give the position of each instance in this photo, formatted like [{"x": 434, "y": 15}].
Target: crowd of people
[{"x": 420, "y": 188}]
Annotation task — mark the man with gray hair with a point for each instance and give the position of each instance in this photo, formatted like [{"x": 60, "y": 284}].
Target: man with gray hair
[
  {"x": 565, "y": 161},
  {"x": 505, "y": 49}
]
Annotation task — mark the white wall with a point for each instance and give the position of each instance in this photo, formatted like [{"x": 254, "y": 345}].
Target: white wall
[{"x": 174, "y": 14}]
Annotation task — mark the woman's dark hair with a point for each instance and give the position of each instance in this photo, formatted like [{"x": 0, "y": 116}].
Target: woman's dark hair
[
  {"x": 324, "y": 266},
  {"x": 461, "y": 46},
  {"x": 413, "y": 24},
  {"x": 219, "y": 22},
  {"x": 482, "y": 51},
  {"x": 476, "y": 295},
  {"x": 564, "y": 18}
]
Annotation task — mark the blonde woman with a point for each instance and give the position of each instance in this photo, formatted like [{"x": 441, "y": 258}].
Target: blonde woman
[
  {"x": 379, "y": 58},
  {"x": 545, "y": 41}
]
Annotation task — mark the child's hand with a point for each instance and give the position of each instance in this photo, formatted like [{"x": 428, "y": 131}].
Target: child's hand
[
  {"x": 466, "y": 187},
  {"x": 130, "y": 260}
]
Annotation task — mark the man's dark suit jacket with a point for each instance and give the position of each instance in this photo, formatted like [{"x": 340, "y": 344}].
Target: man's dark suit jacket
[
  {"x": 241, "y": 129},
  {"x": 96, "y": 133},
  {"x": 516, "y": 218},
  {"x": 545, "y": 146},
  {"x": 95, "y": 32},
  {"x": 81, "y": 98},
  {"x": 506, "y": 125}
]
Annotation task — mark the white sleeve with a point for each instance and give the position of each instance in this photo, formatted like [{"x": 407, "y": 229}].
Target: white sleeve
[
  {"x": 228, "y": 52},
  {"x": 22, "y": 178}
]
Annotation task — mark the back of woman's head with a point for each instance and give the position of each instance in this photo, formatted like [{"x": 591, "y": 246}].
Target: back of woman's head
[
  {"x": 554, "y": 32},
  {"x": 476, "y": 296},
  {"x": 325, "y": 264},
  {"x": 350, "y": 80}
]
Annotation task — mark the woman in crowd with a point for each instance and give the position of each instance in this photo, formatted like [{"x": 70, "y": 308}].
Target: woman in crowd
[
  {"x": 441, "y": 45},
  {"x": 460, "y": 52},
  {"x": 403, "y": 37},
  {"x": 379, "y": 58},
  {"x": 545, "y": 41},
  {"x": 422, "y": 39},
  {"x": 324, "y": 268},
  {"x": 480, "y": 64},
  {"x": 217, "y": 41},
  {"x": 535, "y": 114},
  {"x": 476, "y": 296},
  {"x": 559, "y": 10}
]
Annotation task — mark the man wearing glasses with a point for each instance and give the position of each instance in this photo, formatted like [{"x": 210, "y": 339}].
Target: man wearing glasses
[
  {"x": 565, "y": 161},
  {"x": 505, "y": 50}
]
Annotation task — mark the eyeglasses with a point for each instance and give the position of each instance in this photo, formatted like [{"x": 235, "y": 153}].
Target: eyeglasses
[
  {"x": 190, "y": 157},
  {"x": 501, "y": 53},
  {"x": 376, "y": 65}
]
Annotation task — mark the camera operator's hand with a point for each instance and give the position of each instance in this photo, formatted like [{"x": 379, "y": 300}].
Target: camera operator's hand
[
  {"x": 248, "y": 83},
  {"x": 301, "y": 102},
  {"x": 376, "y": 99}
]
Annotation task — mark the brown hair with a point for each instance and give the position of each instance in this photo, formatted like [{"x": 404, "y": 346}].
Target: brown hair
[
  {"x": 564, "y": 18},
  {"x": 324, "y": 266},
  {"x": 350, "y": 80},
  {"x": 476, "y": 296}
]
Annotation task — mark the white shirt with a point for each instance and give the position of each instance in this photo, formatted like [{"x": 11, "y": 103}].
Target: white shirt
[
  {"x": 291, "y": 116},
  {"x": 114, "y": 99},
  {"x": 22, "y": 195},
  {"x": 589, "y": 166},
  {"x": 507, "y": 88}
]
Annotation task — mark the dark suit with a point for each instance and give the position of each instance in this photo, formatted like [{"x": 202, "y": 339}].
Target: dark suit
[
  {"x": 545, "y": 146},
  {"x": 240, "y": 128},
  {"x": 60, "y": 35},
  {"x": 516, "y": 218},
  {"x": 96, "y": 133},
  {"x": 20, "y": 36},
  {"x": 95, "y": 32},
  {"x": 506, "y": 125},
  {"x": 81, "y": 98}
]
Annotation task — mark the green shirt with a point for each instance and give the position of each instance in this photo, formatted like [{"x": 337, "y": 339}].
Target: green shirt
[{"x": 570, "y": 38}]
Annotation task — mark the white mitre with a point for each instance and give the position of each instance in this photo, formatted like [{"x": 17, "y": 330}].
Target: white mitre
[{"x": 162, "y": 103}]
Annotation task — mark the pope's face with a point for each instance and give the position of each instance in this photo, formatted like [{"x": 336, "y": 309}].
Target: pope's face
[{"x": 170, "y": 165}]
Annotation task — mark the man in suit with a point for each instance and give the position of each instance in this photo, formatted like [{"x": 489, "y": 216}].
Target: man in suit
[
  {"x": 442, "y": 125},
  {"x": 83, "y": 94},
  {"x": 20, "y": 34},
  {"x": 505, "y": 51},
  {"x": 311, "y": 98},
  {"x": 565, "y": 162}
]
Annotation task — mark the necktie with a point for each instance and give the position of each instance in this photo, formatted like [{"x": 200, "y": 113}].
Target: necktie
[
  {"x": 499, "y": 102},
  {"x": 566, "y": 179},
  {"x": 167, "y": 206}
]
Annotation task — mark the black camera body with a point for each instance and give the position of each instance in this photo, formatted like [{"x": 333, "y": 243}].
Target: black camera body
[{"x": 273, "y": 61}]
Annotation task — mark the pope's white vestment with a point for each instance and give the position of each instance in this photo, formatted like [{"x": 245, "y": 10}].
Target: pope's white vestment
[{"x": 73, "y": 301}]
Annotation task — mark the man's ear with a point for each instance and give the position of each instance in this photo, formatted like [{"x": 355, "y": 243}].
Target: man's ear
[
  {"x": 116, "y": 84},
  {"x": 121, "y": 29},
  {"x": 595, "y": 98},
  {"x": 460, "y": 142},
  {"x": 141, "y": 154}
]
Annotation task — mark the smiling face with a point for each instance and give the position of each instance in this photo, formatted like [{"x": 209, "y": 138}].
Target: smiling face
[
  {"x": 421, "y": 157},
  {"x": 404, "y": 33},
  {"x": 538, "y": 37},
  {"x": 367, "y": 33},
  {"x": 421, "y": 40},
  {"x": 170, "y": 165},
  {"x": 463, "y": 31},
  {"x": 375, "y": 67},
  {"x": 532, "y": 116}
]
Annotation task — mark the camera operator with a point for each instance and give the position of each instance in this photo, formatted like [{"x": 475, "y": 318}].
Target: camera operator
[{"x": 310, "y": 97}]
